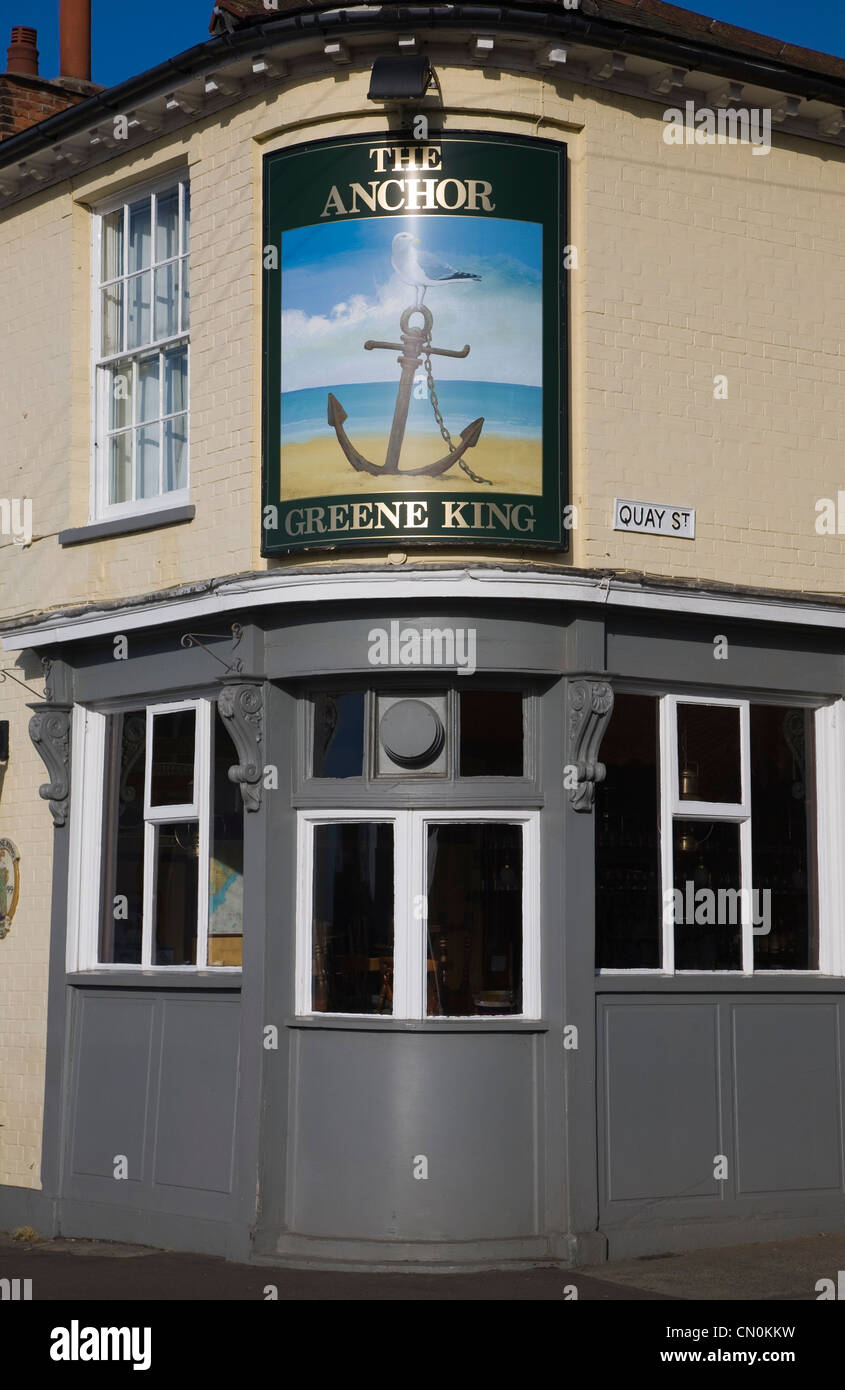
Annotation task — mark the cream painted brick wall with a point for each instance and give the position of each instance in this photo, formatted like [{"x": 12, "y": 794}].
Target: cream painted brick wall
[
  {"x": 24, "y": 952},
  {"x": 693, "y": 262}
]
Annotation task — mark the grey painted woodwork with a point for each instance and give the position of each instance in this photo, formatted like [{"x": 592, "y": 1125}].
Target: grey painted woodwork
[{"x": 536, "y": 1149}]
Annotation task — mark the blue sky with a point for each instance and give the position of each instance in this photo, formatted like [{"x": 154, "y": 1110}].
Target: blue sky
[
  {"x": 132, "y": 35},
  {"x": 339, "y": 289}
]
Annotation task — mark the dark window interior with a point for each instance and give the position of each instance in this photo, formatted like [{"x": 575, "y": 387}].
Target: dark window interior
[
  {"x": 708, "y": 753},
  {"x": 628, "y": 899},
  {"x": 172, "y": 776},
  {"x": 474, "y": 919},
  {"x": 352, "y": 961},
  {"x": 339, "y": 735},
  {"x": 122, "y": 901},
  {"x": 708, "y": 931},
  {"x": 491, "y": 734},
  {"x": 176, "y": 893},
  {"x": 783, "y": 852}
]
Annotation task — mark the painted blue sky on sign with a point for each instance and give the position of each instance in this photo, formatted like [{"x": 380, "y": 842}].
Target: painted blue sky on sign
[{"x": 339, "y": 288}]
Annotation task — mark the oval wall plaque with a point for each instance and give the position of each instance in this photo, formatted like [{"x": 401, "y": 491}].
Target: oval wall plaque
[{"x": 10, "y": 884}]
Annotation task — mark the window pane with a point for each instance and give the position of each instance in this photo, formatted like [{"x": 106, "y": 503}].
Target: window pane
[
  {"x": 122, "y": 888},
  {"x": 120, "y": 467},
  {"x": 474, "y": 945},
  {"x": 186, "y": 297},
  {"x": 628, "y": 911},
  {"x": 119, "y": 380},
  {"x": 167, "y": 224},
  {"x": 352, "y": 961},
  {"x": 148, "y": 397},
  {"x": 186, "y": 217},
  {"x": 138, "y": 327},
  {"x": 708, "y": 753},
  {"x": 177, "y": 882},
  {"x": 339, "y": 735},
  {"x": 176, "y": 453},
  {"x": 112, "y": 245},
  {"x": 707, "y": 906},
  {"x": 226, "y": 867},
  {"x": 491, "y": 734},
  {"x": 166, "y": 305},
  {"x": 146, "y": 462},
  {"x": 175, "y": 380},
  {"x": 172, "y": 778},
  {"x": 140, "y": 244},
  {"x": 783, "y": 850},
  {"x": 112, "y": 320}
]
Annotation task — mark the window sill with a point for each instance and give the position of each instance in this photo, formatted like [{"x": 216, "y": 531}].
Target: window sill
[
  {"x": 126, "y": 525},
  {"x": 229, "y": 979},
  {"x": 380, "y": 1023},
  {"x": 721, "y": 982}
]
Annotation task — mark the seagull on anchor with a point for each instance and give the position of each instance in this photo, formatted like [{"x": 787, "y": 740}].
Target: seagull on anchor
[{"x": 421, "y": 269}]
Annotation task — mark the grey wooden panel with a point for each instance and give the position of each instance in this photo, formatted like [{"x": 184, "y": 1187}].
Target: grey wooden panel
[
  {"x": 112, "y": 1083},
  {"x": 787, "y": 1096},
  {"x": 195, "y": 1121},
  {"x": 660, "y": 1100},
  {"x": 367, "y": 1104}
]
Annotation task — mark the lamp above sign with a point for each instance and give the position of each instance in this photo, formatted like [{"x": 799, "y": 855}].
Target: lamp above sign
[{"x": 654, "y": 518}]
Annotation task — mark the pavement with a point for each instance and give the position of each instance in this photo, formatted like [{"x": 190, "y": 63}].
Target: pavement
[{"x": 73, "y": 1270}]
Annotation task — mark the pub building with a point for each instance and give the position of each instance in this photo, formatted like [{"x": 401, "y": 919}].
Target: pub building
[{"x": 431, "y": 625}]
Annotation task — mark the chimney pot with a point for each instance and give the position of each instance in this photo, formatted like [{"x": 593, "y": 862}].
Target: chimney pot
[
  {"x": 22, "y": 53},
  {"x": 75, "y": 39}
]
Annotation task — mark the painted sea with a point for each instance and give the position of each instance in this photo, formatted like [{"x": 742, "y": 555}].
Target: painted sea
[{"x": 512, "y": 412}]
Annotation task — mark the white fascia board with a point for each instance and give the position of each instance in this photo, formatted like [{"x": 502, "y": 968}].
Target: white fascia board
[{"x": 267, "y": 589}]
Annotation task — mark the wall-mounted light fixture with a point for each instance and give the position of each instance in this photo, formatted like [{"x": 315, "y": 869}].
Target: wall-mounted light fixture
[{"x": 403, "y": 78}]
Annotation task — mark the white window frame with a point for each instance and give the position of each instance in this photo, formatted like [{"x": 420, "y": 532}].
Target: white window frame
[
  {"x": 409, "y": 886},
  {"x": 86, "y": 832},
  {"x": 100, "y": 508},
  {"x": 829, "y": 769}
]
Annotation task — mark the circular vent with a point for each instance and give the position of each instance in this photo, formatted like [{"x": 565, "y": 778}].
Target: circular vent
[{"x": 411, "y": 733}]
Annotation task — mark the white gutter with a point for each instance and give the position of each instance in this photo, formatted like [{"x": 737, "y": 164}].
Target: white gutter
[{"x": 420, "y": 586}]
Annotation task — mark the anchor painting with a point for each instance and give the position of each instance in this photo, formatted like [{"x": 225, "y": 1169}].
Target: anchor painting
[
  {"x": 413, "y": 357},
  {"x": 463, "y": 286}
]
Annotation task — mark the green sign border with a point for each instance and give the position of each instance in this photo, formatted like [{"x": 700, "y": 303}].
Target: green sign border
[{"x": 543, "y": 200}]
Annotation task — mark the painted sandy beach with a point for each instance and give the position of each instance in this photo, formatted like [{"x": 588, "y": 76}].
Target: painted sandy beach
[{"x": 318, "y": 467}]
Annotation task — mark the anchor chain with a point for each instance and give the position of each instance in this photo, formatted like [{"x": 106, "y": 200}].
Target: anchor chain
[{"x": 435, "y": 405}]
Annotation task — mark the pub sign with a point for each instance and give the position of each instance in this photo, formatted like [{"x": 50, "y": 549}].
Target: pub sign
[{"x": 414, "y": 342}]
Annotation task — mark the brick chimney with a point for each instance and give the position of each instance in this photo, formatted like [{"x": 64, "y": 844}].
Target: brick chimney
[
  {"x": 75, "y": 40},
  {"x": 26, "y": 98},
  {"x": 22, "y": 53}
]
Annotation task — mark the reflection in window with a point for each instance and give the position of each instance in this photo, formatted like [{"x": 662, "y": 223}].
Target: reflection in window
[
  {"x": 352, "y": 941},
  {"x": 628, "y": 915},
  {"x": 491, "y": 734},
  {"x": 708, "y": 753},
  {"x": 226, "y": 865},
  {"x": 708, "y": 925},
  {"x": 122, "y": 894},
  {"x": 474, "y": 943},
  {"x": 783, "y": 855},
  {"x": 339, "y": 735}
]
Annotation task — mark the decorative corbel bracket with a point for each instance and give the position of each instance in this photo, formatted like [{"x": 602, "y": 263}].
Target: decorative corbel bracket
[
  {"x": 241, "y": 706},
  {"x": 589, "y": 705},
  {"x": 49, "y": 729}
]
